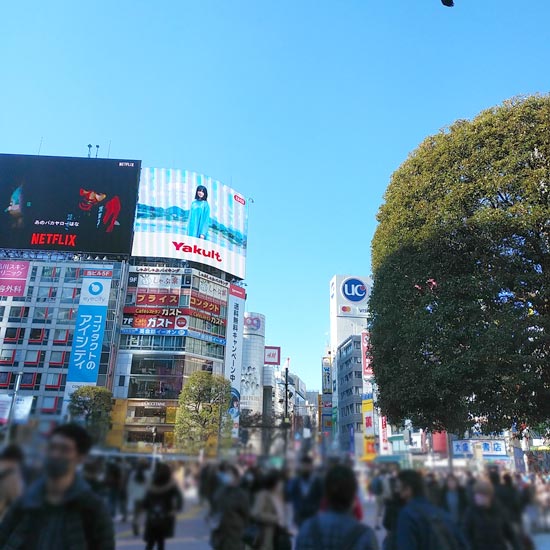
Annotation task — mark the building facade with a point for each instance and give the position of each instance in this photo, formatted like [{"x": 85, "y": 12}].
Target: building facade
[{"x": 348, "y": 300}]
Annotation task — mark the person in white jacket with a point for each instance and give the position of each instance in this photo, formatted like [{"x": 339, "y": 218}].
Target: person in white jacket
[{"x": 138, "y": 483}]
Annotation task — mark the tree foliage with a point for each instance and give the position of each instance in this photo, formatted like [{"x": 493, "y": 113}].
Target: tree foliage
[
  {"x": 461, "y": 260},
  {"x": 93, "y": 404},
  {"x": 203, "y": 404}
]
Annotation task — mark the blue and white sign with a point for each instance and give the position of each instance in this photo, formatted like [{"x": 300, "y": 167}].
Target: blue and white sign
[
  {"x": 89, "y": 328},
  {"x": 354, "y": 290},
  {"x": 490, "y": 448}
]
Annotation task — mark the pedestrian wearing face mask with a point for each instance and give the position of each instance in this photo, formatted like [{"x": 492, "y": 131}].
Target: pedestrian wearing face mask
[
  {"x": 59, "y": 510},
  {"x": 487, "y": 525},
  {"x": 230, "y": 511}
]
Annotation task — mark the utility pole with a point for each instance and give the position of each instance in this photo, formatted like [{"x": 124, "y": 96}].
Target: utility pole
[
  {"x": 9, "y": 422},
  {"x": 286, "y": 420}
]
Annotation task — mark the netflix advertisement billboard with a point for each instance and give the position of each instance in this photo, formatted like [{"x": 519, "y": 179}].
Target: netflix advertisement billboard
[{"x": 68, "y": 204}]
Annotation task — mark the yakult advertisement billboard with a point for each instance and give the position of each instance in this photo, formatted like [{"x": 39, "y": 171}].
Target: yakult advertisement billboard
[{"x": 188, "y": 216}]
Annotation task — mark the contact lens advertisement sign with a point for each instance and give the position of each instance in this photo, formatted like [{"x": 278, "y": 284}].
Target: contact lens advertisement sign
[
  {"x": 67, "y": 204},
  {"x": 189, "y": 216}
]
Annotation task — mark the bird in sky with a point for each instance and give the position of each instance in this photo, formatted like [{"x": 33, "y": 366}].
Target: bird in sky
[{"x": 448, "y": 3}]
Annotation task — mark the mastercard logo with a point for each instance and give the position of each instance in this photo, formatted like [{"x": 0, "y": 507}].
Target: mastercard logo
[{"x": 346, "y": 309}]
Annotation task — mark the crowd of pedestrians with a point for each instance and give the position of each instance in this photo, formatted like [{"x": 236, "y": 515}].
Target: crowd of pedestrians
[{"x": 73, "y": 501}]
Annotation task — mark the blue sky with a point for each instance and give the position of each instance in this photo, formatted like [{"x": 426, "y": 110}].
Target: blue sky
[{"x": 307, "y": 106}]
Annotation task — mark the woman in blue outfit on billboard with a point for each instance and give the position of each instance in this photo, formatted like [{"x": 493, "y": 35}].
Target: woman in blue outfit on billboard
[{"x": 199, "y": 217}]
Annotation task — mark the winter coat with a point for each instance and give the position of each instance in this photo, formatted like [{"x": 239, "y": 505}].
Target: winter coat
[
  {"x": 305, "y": 504},
  {"x": 161, "y": 505},
  {"x": 270, "y": 514},
  {"x": 87, "y": 524},
  {"x": 231, "y": 510},
  {"x": 489, "y": 528}
]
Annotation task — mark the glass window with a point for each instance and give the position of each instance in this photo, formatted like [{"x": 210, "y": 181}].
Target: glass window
[
  {"x": 7, "y": 356},
  {"x": 27, "y": 379},
  {"x": 32, "y": 357},
  {"x": 57, "y": 357},
  {"x": 61, "y": 335},
  {"x": 121, "y": 380}
]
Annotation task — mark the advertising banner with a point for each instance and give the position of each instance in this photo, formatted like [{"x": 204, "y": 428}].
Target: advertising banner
[
  {"x": 158, "y": 298},
  {"x": 327, "y": 376},
  {"x": 351, "y": 295},
  {"x": 61, "y": 203},
  {"x": 5, "y": 404},
  {"x": 234, "y": 352},
  {"x": 272, "y": 355},
  {"x": 22, "y": 409},
  {"x": 383, "y": 432},
  {"x": 89, "y": 328},
  {"x": 367, "y": 407},
  {"x": 192, "y": 217},
  {"x": 13, "y": 277},
  {"x": 366, "y": 358}
]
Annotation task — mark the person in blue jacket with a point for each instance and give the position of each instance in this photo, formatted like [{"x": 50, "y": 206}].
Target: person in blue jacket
[{"x": 199, "y": 218}]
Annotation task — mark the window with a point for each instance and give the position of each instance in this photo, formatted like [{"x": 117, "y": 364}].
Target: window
[
  {"x": 46, "y": 294},
  {"x": 50, "y": 274},
  {"x": 5, "y": 379},
  {"x": 7, "y": 356},
  {"x": 53, "y": 381},
  {"x": 59, "y": 358},
  {"x": 51, "y": 405},
  {"x": 130, "y": 298},
  {"x": 61, "y": 336},
  {"x": 73, "y": 274},
  {"x": 40, "y": 314},
  {"x": 14, "y": 335},
  {"x": 28, "y": 380},
  {"x": 32, "y": 357},
  {"x": 18, "y": 313},
  {"x": 70, "y": 294},
  {"x": 38, "y": 335},
  {"x": 121, "y": 380},
  {"x": 2, "y": 309},
  {"x": 65, "y": 315}
]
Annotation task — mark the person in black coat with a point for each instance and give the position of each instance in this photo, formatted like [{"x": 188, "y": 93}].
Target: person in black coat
[
  {"x": 487, "y": 525},
  {"x": 454, "y": 499},
  {"x": 161, "y": 503}
]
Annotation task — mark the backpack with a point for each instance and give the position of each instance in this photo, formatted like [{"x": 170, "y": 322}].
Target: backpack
[
  {"x": 440, "y": 536},
  {"x": 376, "y": 486}
]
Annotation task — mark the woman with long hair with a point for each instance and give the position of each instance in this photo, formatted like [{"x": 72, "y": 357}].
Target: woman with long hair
[
  {"x": 199, "y": 216},
  {"x": 161, "y": 503}
]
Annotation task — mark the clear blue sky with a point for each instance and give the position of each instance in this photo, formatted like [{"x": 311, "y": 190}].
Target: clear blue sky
[{"x": 307, "y": 106}]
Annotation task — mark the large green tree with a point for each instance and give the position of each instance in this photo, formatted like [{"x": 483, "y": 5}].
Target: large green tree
[
  {"x": 93, "y": 404},
  {"x": 202, "y": 412},
  {"x": 461, "y": 261}
]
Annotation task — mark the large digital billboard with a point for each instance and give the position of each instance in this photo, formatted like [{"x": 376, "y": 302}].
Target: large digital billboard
[
  {"x": 192, "y": 217},
  {"x": 67, "y": 204}
]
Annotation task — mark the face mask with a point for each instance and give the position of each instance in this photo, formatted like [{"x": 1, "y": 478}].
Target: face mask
[{"x": 57, "y": 467}]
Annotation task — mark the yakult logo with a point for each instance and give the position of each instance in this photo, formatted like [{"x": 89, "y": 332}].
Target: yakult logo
[{"x": 354, "y": 290}]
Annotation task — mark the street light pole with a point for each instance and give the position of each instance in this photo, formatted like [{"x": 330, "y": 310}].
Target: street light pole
[
  {"x": 12, "y": 407},
  {"x": 286, "y": 419}
]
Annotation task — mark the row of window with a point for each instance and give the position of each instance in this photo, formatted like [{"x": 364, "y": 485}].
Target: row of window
[
  {"x": 35, "y": 357},
  {"x": 37, "y": 336},
  {"x": 354, "y": 408},
  {"x": 355, "y": 390},
  {"x": 180, "y": 343},
  {"x": 33, "y": 380}
]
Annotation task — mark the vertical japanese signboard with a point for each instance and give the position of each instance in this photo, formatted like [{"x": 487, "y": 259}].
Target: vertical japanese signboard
[
  {"x": 13, "y": 277},
  {"x": 367, "y": 408},
  {"x": 89, "y": 328},
  {"x": 366, "y": 358},
  {"x": 234, "y": 352}
]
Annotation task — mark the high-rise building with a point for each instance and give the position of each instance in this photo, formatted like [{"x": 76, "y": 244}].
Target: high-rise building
[
  {"x": 349, "y": 296},
  {"x": 253, "y": 363},
  {"x": 81, "y": 305}
]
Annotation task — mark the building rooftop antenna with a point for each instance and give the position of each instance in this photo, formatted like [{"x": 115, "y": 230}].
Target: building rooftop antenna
[
  {"x": 89, "y": 150},
  {"x": 96, "y": 150}
]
